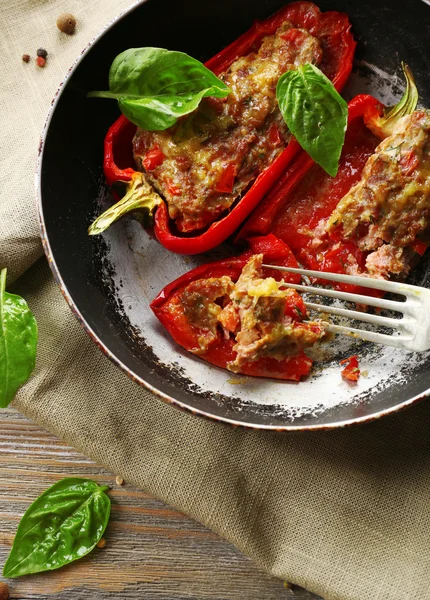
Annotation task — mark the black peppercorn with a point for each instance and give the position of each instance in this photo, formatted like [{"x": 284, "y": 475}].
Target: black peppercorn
[{"x": 42, "y": 52}]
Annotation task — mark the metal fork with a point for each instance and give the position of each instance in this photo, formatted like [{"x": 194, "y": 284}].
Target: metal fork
[{"x": 412, "y": 331}]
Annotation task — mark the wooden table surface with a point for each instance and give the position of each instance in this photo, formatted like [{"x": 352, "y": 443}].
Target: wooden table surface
[{"x": 152, "y": 551}]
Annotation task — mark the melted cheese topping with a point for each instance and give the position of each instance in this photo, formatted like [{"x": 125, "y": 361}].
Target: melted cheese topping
[{"x": 265, "y": 287}]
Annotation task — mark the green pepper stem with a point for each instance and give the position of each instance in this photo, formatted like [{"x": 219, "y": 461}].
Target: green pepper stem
[
  {"x": 140, "y": 198},
  {"x": 384, "y": 126},
  {"x": 407, "y": 104}
]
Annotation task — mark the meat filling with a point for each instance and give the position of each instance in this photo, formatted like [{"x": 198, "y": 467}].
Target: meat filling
[
  {"x": 264, "y": 318},
  {"x": 207, "y": 159},
  {"x": 389, "y": 209}
]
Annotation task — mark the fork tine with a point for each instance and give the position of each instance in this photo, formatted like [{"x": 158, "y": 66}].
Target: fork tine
[
  {"x": 398, "y": 341},
  {"x": 365, "y": 282},
  {"x": 348, "y": 297},
  {"x": 413, "y": 330},
  {"x": 359, "y": 316}
]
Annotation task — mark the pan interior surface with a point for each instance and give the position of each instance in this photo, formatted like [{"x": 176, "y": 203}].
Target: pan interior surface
[{"x": 111, "y": 279}]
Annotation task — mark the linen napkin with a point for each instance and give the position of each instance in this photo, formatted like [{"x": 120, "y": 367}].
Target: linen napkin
[{"x": 344, "y": 513}]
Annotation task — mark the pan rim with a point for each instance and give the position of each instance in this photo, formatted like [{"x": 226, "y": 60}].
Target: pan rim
[{"x": 289, "y": 426}]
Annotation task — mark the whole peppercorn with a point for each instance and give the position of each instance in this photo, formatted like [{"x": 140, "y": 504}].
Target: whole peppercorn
[
  {"x": 4, "y": 591},
  {"x": 42, "y": 52},
  {"x": 66, "y": 23},
  {"x": 25, "y": 57},
  {"x": 40, "y": 62}
]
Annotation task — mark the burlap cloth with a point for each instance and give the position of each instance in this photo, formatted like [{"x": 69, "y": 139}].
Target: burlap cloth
[{"x": 345, "y": 514}]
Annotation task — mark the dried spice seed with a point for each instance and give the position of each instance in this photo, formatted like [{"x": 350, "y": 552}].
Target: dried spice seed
[
  {"x": 42, "y": 52},
  {"x": 4, "y": 591},
  {"x": 66, "y": 23},
  {"x": 40, "y": 62},
  {"x": 26, "y": 58},
  {"x": 119, "y": 480},
  {"x": 101, "y": 543}
]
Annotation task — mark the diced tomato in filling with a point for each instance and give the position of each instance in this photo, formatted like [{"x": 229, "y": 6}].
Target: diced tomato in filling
[
  {"x": 275, "y": 135},
  {"x": 229, "y": 318},
  {"x": 409, "y": 162},
  {"x": 173, "y": 189},
  {"x": 152, "y": 159},
  {"x": 294, "y": 36},
  {"x": 226, "y": 181},
  {"x": 351, "y": 372},
  {"x": 419, "y": 247}
]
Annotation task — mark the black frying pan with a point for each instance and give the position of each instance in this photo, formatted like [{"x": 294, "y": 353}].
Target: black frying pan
[{"x": 109, "y": 281}]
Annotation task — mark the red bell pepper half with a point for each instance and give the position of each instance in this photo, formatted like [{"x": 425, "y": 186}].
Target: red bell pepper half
[
  {"x": 306, "y": 196},
  {"x": 332, "y": 29},
  {"x": 168, "y": 308}
]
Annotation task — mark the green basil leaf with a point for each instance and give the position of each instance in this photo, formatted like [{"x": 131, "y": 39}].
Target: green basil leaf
[
  {"x": 315, "y": 113},
  {"x": 62, "y": 525},
  {"x": 158, "y": 115},
  {"x": 154, "y": 86},
  {"x": 18, "y": 342}
]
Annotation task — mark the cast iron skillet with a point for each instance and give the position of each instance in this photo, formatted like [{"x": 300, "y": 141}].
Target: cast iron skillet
[{"x": 109, "y": 281}]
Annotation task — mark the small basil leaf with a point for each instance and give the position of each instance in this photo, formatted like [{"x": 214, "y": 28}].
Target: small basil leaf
[
  {"x": 62, "y": 525},
  {"x": 18, "y": 342},
  {"x": 154, "y": 86},
  {"x": 315, "y": 113},
  {"x": 159, "y": 115}
]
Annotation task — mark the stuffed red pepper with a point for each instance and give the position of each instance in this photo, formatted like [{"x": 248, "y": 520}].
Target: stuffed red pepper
[
  {"x": 373, "y": 218},
  {"x": 237, "y": 315},
  {"x": 201, "y": 177}
]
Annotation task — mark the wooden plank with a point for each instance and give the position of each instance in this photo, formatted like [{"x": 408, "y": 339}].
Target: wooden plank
[{"x": 152, "y": 551}]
